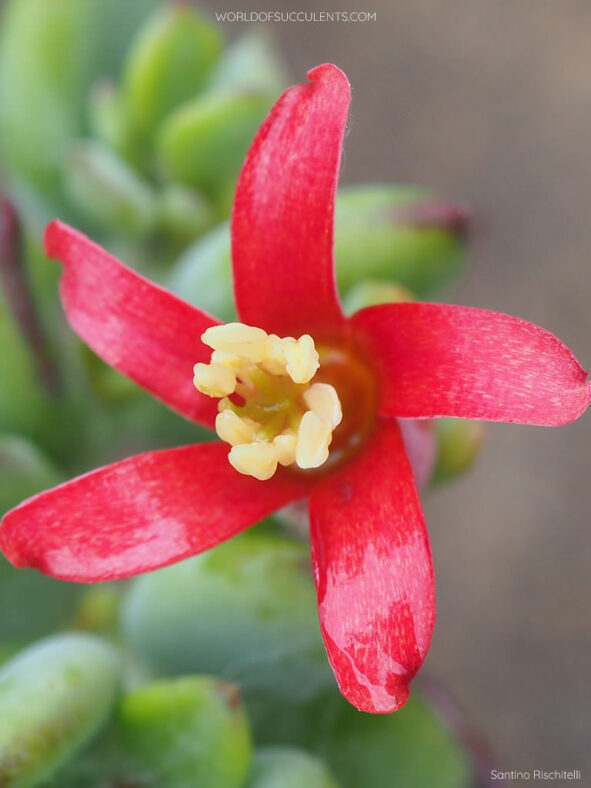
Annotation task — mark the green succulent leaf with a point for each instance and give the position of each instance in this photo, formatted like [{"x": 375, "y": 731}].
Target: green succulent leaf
[
  {"x": 185, "y": 731},
  {"x": 54, "y": 697},
  {"x": 251, "y": 63},
  {"x": 184, "y": 213},
  {"x": 411, "y": 747},
  {"x": 50, "y": 55},
  {"x": 23, "y": 401},
  {"x": 168, "y": 64},
  {"x": 204, "y": 142},
  {"x": 459, "y": 441},
  {"x": 108, "y": 190},
  {"x": 287, "y": 767},
  {"x": 397, "y": 233},
  {"x": 245, "y": 611},
  {"x": 203, "y": 274}
]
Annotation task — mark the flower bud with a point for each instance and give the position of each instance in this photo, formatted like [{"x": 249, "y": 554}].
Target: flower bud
[
  {"x": 204, "y": 142},
  {"x": 459, "y": 445},
  {"x": 185, "y": 731},
  {"x": 54, "y": 697},
  {"x": 245, "y": 610},
  {"x": 169, "y": 61},
  {"x": 398, "y": 233},
  {"x": 287, "y": 767},
  {"x": 108, "y": 190}
]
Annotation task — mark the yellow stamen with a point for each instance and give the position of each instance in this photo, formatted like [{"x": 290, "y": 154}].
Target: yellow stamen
[
  {"x": 286, "y": 447},
  {"x": 284, "y": 417},
  {"x": 254, "y": 459},
  {"x": 235, "y": 429},
  {"x": 324, "y": 401},
  {"x": 215, "y": 380},
  {"x": 235, "y": 338},
  {"x": 302, "y": 359},
  {"x": 314, "y": 437}
]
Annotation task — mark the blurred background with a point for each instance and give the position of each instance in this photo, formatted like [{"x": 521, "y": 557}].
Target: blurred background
[{"x": 491, "y": 103}]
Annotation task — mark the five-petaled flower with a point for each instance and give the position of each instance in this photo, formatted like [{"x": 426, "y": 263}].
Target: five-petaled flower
[{"x": 300, "y": 385}]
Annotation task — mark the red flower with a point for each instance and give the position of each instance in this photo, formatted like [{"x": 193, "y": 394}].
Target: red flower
[{"x": 370, "y": 548}]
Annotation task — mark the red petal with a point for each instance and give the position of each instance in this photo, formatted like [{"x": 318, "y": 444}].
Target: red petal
[
  {"x": 440, "y": 360},
  {"x": 282, "y": 224},
  {"x": 131, "y": 323},
  {"x": 139, "y": 514},
  {"x": 372, "y": 562}
]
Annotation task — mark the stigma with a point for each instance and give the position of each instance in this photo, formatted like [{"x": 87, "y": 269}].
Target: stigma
[{"x": 271, "y": 411}]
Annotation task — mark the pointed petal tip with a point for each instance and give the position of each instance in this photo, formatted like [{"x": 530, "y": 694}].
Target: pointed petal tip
[
  {"x": 51, "y": 237},
  {"x": 328, "y": 71}
]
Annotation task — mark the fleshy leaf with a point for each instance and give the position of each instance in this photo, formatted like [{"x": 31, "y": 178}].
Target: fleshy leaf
[
  {"x": 54, "y": 697},
  {"x": 203, "y": 143},
  {"x": 168, "y": 64},
  {"x": 186, "y": 731},
  {"x": 245, "y": 610}
]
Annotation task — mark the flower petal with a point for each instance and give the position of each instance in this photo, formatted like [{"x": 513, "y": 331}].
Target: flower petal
[
  {"x": 134, "y": 325},
  {"x": 282, "y": 224},
  {"x": 139, "y": 514},
  {"x": 372, "y": 563},
  {"x": 441, "y": 360}
]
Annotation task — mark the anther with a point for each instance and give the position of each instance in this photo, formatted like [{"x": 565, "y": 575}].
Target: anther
[
  {"x": 323, "y": 399},
  {"x": 254, "y": 459},
  {"x": 314, "y": 437},
  {"x": 215, "y": 380}
]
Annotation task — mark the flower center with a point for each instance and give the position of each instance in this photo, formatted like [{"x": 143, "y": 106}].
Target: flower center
[{"x": 272, "y": 411}]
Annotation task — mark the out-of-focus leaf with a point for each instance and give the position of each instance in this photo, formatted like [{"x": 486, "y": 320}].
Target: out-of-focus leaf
[
  {"x": 54, "y": 697},
  {"x": 251, "y": 63},
  {"x": 23, "y": 402},
  {"x": 32, "y": 604},
  {"x": 245, "y": 611},
  {"x": 184, "y": 732},
  {"x": 373, "y": 292},
  {"x": 168, "y": 64},
  {"x": 45, "y": 66},
  {"x": 108, "y": 121},
  {"x": 397, "y": 233},
  {"x": 204, "y": 142},
  {"x": 108, "y": 190},
  {"x": 286, "y": 767},
  {"x": 50, "y": 55},
  {"x": 24, "y": 471},
  {"x": 203, "y": 274},
  {"x": 184, "y": 213},
  {"x": 411, "y": 747},
  {"x": 459, "y": 445}
]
